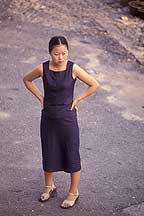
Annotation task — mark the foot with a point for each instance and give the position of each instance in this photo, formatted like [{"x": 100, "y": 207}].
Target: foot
[
  {"x": 50, "y": 191},
  {"x": 70, "y": 201}
]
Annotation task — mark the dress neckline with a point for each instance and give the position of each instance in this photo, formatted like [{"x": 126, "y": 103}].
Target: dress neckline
[{"x": 58, "y": 71}]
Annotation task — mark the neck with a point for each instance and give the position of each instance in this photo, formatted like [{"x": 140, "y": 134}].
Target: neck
[{"x": 58, "y": 66}]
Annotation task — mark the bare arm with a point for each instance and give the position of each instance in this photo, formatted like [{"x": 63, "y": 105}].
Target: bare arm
[
  {"x": 29, "y": 77},
  {"x": 86, "y": 78}
]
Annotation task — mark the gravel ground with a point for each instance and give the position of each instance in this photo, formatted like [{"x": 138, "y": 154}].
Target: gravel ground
[
  {"x": 111, "y": 121},
  {"x": 83, "y": 18}
]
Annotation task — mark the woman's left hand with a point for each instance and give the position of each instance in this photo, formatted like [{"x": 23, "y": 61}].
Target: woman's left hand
[{"x": 74, "y": 105}]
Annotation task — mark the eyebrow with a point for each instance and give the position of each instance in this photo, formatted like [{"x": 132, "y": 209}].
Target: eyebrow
[{"x": 58, "y": 52}]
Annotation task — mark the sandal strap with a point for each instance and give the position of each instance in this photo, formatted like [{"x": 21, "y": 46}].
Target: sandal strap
[
  {"x": 48, "y": 186},
  {"x": 74, "y": 194},
  {"x": 51, "y": 186},
  {"x": 69, "y": 202},
  {"x": 45, "y": 196}
]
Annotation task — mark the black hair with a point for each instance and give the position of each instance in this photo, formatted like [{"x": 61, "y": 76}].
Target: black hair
[{"x": 57, "y": 40}]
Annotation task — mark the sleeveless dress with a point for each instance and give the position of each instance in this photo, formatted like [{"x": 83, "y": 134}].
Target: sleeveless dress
[{"x": 59, "y": 130}]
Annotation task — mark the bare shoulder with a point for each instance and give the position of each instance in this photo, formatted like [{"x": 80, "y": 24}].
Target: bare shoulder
[
  {"x": 83, "y": 75},
  {"x": 34, "y": 73},
  {"x": 76, "y": 67},
  {"x": 77, "y": 70},
  {"x": 40, "y": 69}
]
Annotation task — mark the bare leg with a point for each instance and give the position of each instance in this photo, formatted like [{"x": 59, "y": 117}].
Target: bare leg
[
  {"x": 48, "y": 180},
  {"x": 75, "y": 178}
]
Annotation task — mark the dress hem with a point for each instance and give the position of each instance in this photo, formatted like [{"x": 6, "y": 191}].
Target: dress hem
[{"x": 67, "y": 171}]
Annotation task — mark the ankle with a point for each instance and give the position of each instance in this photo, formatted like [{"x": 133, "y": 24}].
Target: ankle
[
  {"x": 74, "y": 191},
  {"x": 49, "y": 184}
]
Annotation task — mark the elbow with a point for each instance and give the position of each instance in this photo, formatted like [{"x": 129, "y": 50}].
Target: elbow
[
  {"x": 25, "y": 82},
  {"x": 24, "y": 79},
  {"x": 96, "y": 86}
]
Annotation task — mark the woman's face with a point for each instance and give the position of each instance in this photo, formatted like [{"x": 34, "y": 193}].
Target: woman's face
[{"x": 59, "y": 54}]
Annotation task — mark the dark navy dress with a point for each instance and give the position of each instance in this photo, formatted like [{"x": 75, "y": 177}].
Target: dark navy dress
[{"x": 59, "y": 127}]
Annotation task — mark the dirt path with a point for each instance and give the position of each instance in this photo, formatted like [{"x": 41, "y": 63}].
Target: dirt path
[
  {"x": 85, "y": 18},
  {"x": 122, "y": 80}
]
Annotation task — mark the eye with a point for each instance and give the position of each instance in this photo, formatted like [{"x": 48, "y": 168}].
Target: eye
[{"x": 56, "y": 54}]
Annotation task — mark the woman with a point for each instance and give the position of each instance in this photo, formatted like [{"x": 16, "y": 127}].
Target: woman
[{"x": 59, "y": 127}]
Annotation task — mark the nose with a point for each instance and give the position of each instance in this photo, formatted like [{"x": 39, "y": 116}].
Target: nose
[{"x": 60, "y": 57}]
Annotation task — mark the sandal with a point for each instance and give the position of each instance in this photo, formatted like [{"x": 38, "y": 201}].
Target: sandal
[
  {"x": 52, "y": 193},
  {"x": 70, "y": 203}
]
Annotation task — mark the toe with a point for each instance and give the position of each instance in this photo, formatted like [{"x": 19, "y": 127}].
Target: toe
[
  {"x": 64, "y": 205},
  {"x": 42, "y": 198}
]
